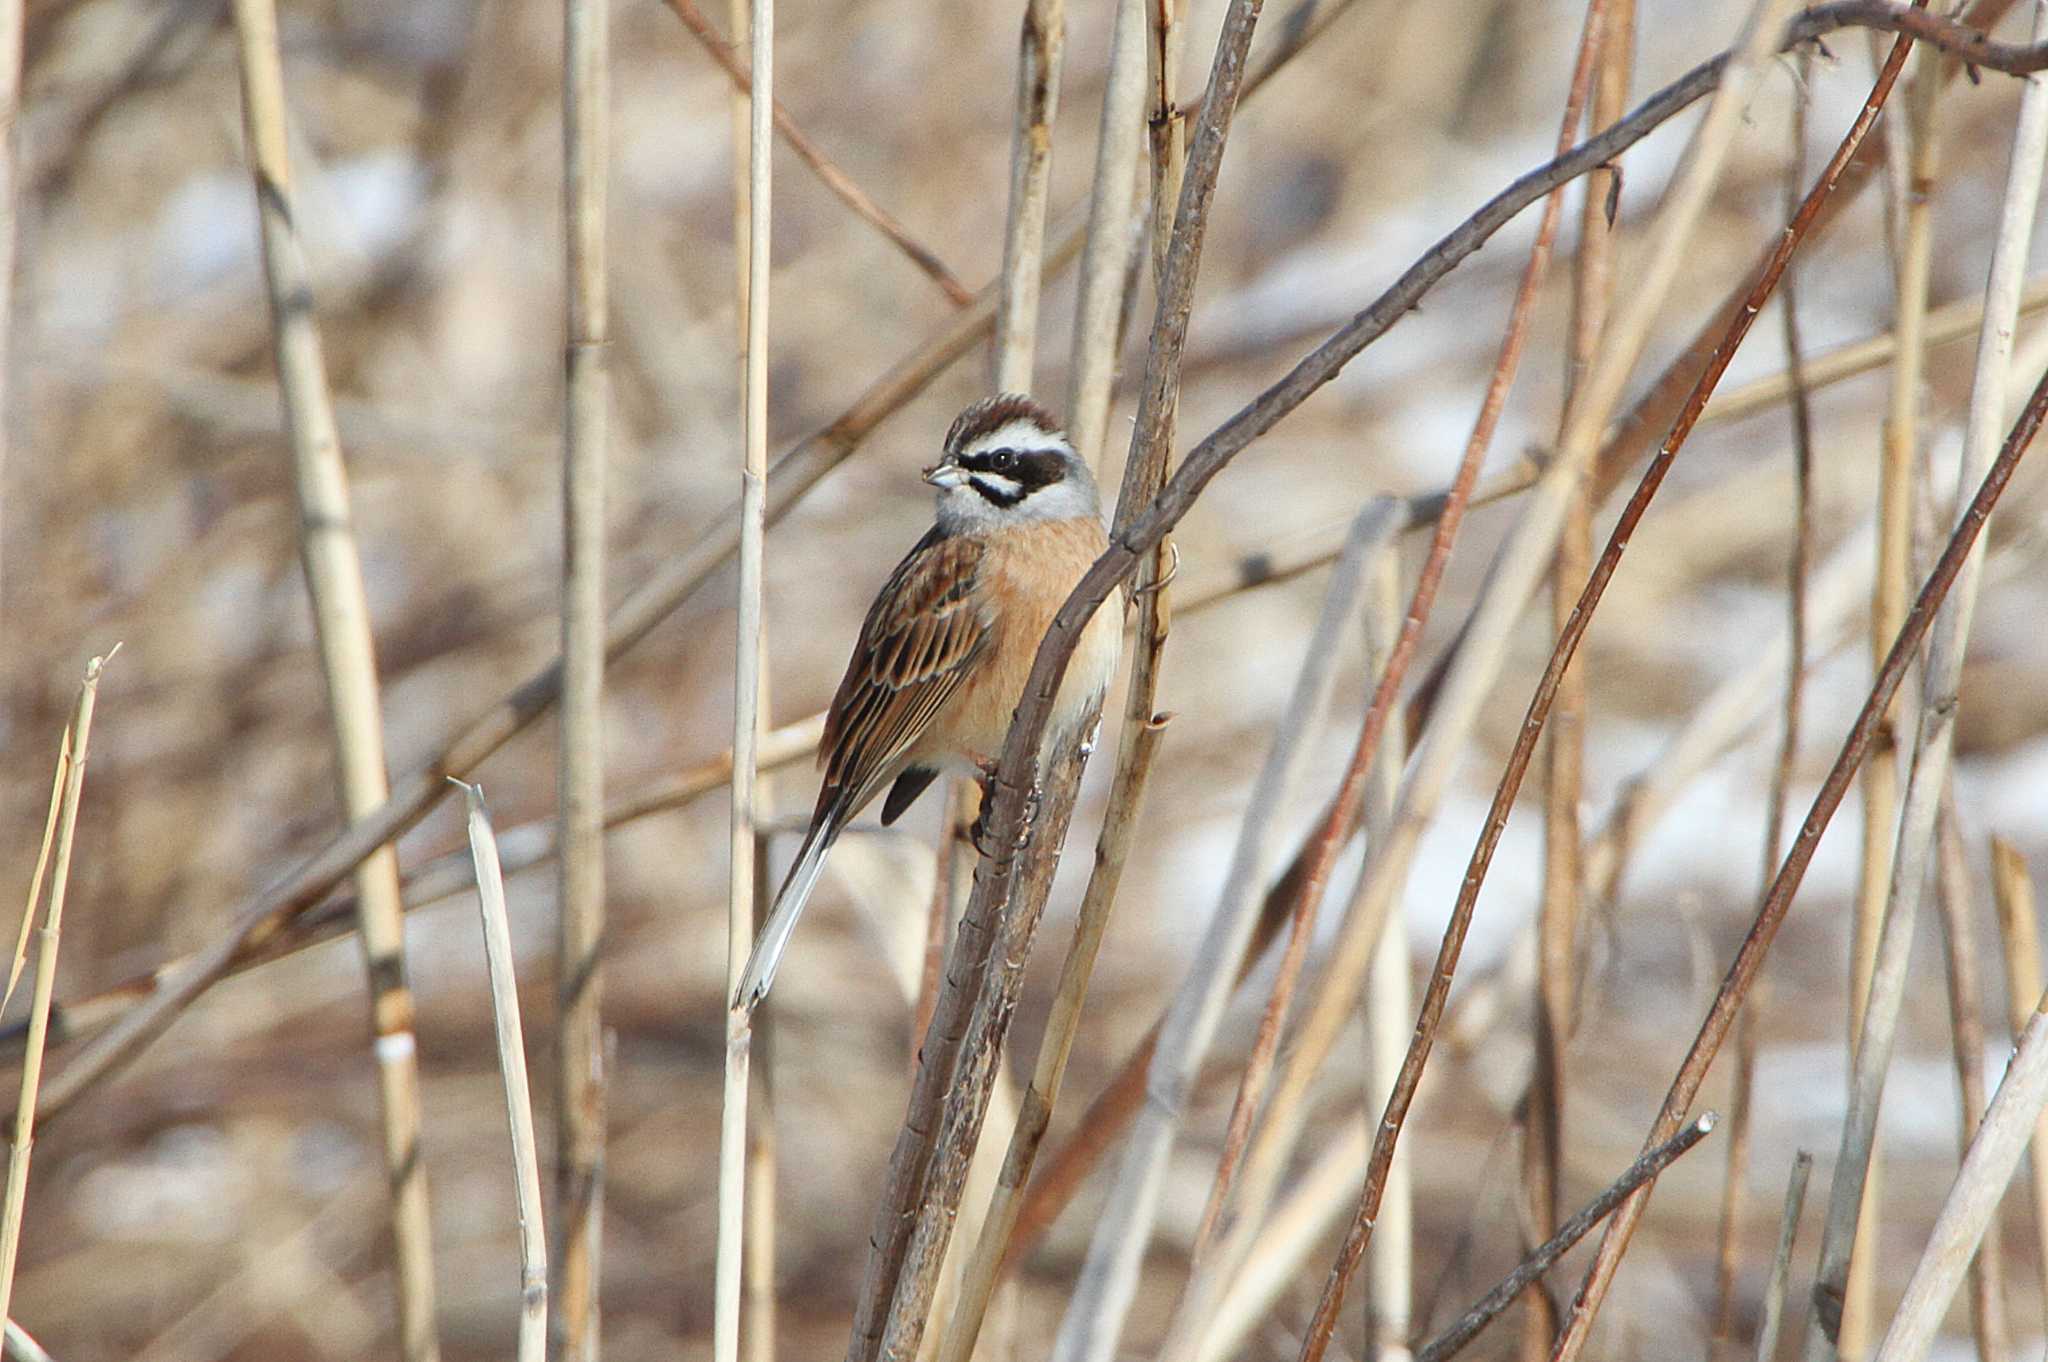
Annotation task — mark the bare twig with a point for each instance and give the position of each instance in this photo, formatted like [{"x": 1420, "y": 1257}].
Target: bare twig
[
  {"x": 1780, "y": 1281},
  {"x": 823, "y": 166},
  {"x": 1756, "y": 944},
  {"x": 2013, "y": 892},
  {"x": 1966, "y": 1036},
  {"x": 1933, "y": 745},
  {"x": 511, "y": 1036},
  {"x": 1636, "y": 1175},
  {"x": 1972, "y": 1201},
  {"x": 71, "y": 759},
  {"x": 579, "y": 1029},
  {"x": 341, "y": 617}
]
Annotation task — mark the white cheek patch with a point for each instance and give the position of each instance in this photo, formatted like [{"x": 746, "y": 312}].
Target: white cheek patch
[{"x": 1026, "y": 437}]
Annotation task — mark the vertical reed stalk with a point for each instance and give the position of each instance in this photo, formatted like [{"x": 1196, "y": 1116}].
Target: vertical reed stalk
[
  {"x": 71, "y": 758},
  {"x": 746, "y": 731},
  {"x": 1919, "y": 134},
  {"x": 10, "y": 228},
  {"x": 579, "y": 1037},
  {"x": 1779, "y": 1283},
  {"x": 511, "y": 1038},
  {"x": 1041, "y": 46},
  {"x": 1106, "y": 256},
  {"x": 341, "y": 618}
]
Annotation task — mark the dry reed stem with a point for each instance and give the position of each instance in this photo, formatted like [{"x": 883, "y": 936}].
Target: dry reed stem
[
  {"x": 1934, "y": 737},
  {"x": 1637, "y": 1175},
  {"x": 1966, "y": 1034},
  {"x": 1559, "y": 908},
  {"x": 72, "y": 754},
  {"x": 747, "y": 688},
  {"x": 579, "y": 1027},
  {"x": 260, "y": 918},
  {"x": 1343, "y": 812},
  {"x": 949, "y": 1099},
  {"x": 511, "y": 1039},
  {"x": 342, "y": 630},
  {"x": 1166, "y": 26},
  {"x": 11, "y": 16},
  {"x": 1106, "y": 258},
  {"x": 1891, "y": 580},
  {"x": 1756, "y": 943},
  {"x": 1993, "y": 1155},
  {"x": 2013, "y": 893},
  {"x": 829, "y": 173},
  {"x": 1779, "y": 1283},
  {"x": 1389, "y": 1003},
  {"x": 1041, "y": 45}
]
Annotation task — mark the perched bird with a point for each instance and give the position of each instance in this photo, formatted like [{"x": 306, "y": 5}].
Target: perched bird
[{"x": 947, "y": 646}]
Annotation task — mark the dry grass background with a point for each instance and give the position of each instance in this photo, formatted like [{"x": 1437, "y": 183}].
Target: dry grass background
[{"x": 223, "y": 1197}]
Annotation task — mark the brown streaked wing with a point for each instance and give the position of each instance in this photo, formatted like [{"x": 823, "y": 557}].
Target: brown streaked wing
[{"x": 916, "y": 645}]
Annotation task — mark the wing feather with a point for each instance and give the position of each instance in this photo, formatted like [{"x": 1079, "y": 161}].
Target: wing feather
[{"x": 916, "y": 647}]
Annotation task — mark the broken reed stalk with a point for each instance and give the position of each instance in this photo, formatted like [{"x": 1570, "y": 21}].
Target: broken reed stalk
[
  {"x": 1638, "y": 1174},
  {"x": 341, "y": 619},
  {"x": 1891, "y": 580},
  {"x": 261, "y": 918},
  {"x": 1106, "y": 258},
  {"x": 747, "y": 689},
  {"x": 1779, "y": 1283},
  {"x": 1559, "y": 909},
  {"x": 1258, "y": 1067},
  {"x": 1763, "y": 930},
  {"x": 1801, "y": 413},
  {"x": 2013, "y": 893},
  {"x": 841, "y": 185},
  {"x": 949, "y": 1099},
  {"x": 579, "y": 1028},
  {"x": 1966, "y": 1036},
  {"x": 511, "y": 1038},
  {"x": 1993, "y": 1155},
  {"x": 71, "y": 759},
  {"x": 1933, "y": 745}
]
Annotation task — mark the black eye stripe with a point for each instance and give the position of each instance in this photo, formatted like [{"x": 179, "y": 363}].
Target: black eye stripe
[
  {"x": 1002, "y": 496},
  {"x": 1029, "y": 468}
]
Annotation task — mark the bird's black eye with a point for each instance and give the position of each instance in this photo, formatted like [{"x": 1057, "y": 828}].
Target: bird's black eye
[{"x": 1001, "y": 461}]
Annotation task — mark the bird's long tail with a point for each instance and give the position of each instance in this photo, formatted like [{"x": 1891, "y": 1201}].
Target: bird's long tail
[{"x": 789, "y": 906}]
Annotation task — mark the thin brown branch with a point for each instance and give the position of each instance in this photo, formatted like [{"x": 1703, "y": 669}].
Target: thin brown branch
[
  {"x": 823, "y": 166},
  {"x": 1756, "y": 943}
]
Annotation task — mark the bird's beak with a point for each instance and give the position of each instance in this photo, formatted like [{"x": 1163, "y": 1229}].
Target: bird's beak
[{"x": 945, "y": 473}]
